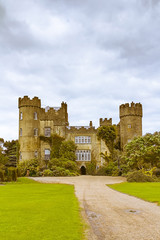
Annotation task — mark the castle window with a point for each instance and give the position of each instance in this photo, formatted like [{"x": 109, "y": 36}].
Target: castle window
[
  {"x": 46, "y": 154},
  {"x": 35, "y": 116},
  {"x": 83, "y": 139},
  {"x": 47, "y": 132},
  {"x": 21, "y": 115},
  {"x": 129, "y": 125},
  {"x": 35, "y": 131},
  {"x": 83, "y": 155},
  {"x": 20, "y": 156},
  {"x": 20, "y": 132},
  {"x": 36, "y": 154}
]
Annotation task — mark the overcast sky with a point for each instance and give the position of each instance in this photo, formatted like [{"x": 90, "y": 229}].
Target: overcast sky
[{"x": 93, "y": 54}]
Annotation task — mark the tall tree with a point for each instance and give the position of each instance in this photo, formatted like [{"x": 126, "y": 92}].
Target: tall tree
[{"x": 108, "y": 135}]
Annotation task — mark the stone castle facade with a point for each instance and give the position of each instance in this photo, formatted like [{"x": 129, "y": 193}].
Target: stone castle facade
[{"x": 35, "y": 121}]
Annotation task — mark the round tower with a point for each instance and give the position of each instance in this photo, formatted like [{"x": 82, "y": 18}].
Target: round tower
[
  {"x": 130, "y": 122},
  {"x": 29, "y": 127}
]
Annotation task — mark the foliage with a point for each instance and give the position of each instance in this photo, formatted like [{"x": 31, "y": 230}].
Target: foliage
[
  {"x": 59, "y": 165},
  {"x": 139, "y": 176},
  {"x": 32, "y": 210},
  {"x": 63, "y": 157},
  {"x": 32, "y": 165},
  {"x": 11, "y": 174},
  {"x": 110, "y": 169},
  {"x": 2, "y": 175},
  {"x": 91, "y": 167},
  {"x": 67, "y": 150},
  {"x": 108, "y": 135},
  {"x": 11, "y": 152},
  {"x": 143, "y": 152},
  {"x": 47, "y": 172},
  {"x": 149, "y": 191}
]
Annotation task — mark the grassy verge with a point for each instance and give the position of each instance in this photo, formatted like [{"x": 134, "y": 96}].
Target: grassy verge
[
  {"x": 149, "y": 191},
  {"x": 33, "y": 211}
]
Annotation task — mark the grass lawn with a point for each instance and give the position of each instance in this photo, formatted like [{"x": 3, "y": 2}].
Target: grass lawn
[
  {"x": 149, "y": 191},
  {"x": 37, "y": 211}
]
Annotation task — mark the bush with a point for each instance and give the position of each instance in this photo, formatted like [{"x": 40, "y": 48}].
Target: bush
[
  {"x": 101, "y": 171},
  {"x": 1, "y": 175},
  {"x": 91, "y": 168},
  {"x": 138, "y": 176},
  {"x": 48, "y": 172},
  {"x": 31, "y": 165},
  {"x": 11, "y": 174}
]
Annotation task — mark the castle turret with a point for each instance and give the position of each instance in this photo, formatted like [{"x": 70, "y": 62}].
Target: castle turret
[
  {"x": 130, "y": 122},
  {"x": 29, "y": 127},
  {"x": 105, "y": 121}
]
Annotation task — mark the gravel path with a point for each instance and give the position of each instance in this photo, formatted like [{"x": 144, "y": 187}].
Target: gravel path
[{"x": 112, "y": 215}]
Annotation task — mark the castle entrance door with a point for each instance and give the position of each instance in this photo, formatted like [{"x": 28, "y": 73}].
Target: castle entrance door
[{"x": 83, "y": 170}]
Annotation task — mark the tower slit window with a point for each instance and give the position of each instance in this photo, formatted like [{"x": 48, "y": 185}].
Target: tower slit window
[
  {"x": 20, "y": 132},
  {"x": 35, "y": 116},
  {"x": 21, "y": 115}
]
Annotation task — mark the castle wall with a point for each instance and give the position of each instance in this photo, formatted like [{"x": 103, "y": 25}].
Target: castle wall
[{"x": 34, "y": 120}]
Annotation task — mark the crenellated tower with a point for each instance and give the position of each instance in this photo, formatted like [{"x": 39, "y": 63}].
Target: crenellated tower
[
  {"x": 130, "y": 122},
  {"x": 29, "y": 127}
]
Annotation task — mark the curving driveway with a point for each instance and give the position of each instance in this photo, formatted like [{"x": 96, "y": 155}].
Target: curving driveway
[{"x": 112, "y": 215}]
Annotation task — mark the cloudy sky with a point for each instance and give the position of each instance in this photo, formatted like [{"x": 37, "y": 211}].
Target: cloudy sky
[{"x": 93, "y": 54}]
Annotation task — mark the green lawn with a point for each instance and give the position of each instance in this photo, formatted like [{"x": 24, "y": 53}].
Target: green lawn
[
  {"x": 149, "y": 191},
  {"x": 36, "y": 211}
]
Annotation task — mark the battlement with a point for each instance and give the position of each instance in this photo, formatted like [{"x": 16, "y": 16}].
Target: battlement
[
  {"x": 27, "y": 102},
  {"x": 80, "y": 129},
  {"x": 58, "y": 114},
  {"x": 105, "y": 121},
  {"x": 133, "y": 109}
]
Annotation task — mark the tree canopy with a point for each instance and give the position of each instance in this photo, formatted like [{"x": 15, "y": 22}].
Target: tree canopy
[
  {"x": 143, "y": 152},
  {"x": 108, "y": 135}
]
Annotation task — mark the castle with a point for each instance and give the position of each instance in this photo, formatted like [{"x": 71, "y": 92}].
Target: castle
[{"x": 35, "y": 121}]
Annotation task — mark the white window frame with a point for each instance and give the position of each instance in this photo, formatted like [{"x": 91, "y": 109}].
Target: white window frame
[
  {"x": 83, "y": 155},
  {"x": 47, "y": 153},
  {"x": 47, "y": 131},
  {"x": 83, "y": 139}
]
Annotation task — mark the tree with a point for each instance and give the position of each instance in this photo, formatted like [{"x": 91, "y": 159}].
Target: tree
[
  {"x": 67, "y": 150},
  {"x": 143, "y": 152},
  {"x": 108, "y": 135},
  {"x": 11, "y": 152}
]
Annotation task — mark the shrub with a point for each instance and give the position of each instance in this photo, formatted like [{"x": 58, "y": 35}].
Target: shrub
[
  {"x": 11, "y": 174},
  {"x": 101, "y": 171},
  {"x": 1, "y": 175},
  {"x": 138, "y": 176},
  {"x": 47, "y": 172},
  {"x": 31, "y": 165},
  {"x": 91, "y": 168}
]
